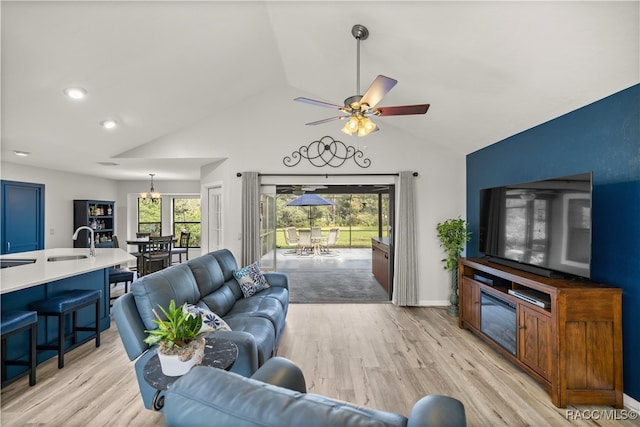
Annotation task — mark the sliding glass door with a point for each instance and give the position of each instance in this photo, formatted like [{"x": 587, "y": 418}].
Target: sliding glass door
[{"x": 268, "y": 227}]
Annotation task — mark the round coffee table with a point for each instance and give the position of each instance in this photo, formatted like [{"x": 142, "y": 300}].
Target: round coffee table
[{"x": 218, "y": 353}]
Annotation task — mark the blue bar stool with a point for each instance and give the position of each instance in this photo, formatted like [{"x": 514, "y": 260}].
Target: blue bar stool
[
  {"x": 12, "y": 323},
  {"x": 66, "y": 303},
  {"x": 118, "y": 275}
]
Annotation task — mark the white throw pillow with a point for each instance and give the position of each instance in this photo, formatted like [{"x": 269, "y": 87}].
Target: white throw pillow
[{"x": 210, "y": 321}]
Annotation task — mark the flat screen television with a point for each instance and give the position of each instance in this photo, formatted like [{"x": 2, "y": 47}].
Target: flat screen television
[{"x": 542, "y": 226}]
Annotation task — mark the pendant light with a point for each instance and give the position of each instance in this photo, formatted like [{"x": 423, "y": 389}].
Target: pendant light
[{"x": 151, "y": 194}]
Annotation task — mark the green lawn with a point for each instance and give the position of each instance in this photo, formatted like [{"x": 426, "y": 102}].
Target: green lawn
[{"x": 359, "y": 237}]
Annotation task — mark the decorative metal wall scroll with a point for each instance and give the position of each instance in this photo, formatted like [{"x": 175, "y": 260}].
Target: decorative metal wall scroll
[{"x": 327, "y": 152}]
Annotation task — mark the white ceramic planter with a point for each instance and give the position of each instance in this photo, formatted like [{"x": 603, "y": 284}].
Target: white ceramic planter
[{"x": 172, "y": 366}]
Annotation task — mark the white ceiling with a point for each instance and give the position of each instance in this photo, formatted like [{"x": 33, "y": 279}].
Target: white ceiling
[{"x": 488, "y": 69}]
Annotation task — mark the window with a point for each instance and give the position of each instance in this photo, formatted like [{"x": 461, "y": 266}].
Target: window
[
  {"x": 186, "y": 218},
  {"x": 150, "y": 216}
]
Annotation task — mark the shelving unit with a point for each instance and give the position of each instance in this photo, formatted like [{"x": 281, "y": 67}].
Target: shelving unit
[
  {"x": 573, "y": 347},
  {"x": 97, "y": 214}
]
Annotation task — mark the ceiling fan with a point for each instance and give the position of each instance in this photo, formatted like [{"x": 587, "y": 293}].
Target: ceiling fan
[{"x": 360, "y": 107}]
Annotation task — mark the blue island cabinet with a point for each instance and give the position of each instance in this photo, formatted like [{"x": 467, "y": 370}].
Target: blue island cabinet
[{"x": 18, "y": 345}]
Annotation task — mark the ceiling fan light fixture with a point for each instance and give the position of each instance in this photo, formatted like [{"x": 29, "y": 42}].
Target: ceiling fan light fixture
[
  {"x": 359, "y": 125},
  {"x": 352, "y": 125},
  {"x": 367, "y": 126}
]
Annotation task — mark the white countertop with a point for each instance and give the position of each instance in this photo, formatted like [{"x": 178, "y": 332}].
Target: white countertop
[{"x": 43, "y": 271}]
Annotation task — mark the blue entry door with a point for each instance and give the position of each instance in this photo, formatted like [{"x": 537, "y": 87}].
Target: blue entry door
[{"x": 22, "y": 217}]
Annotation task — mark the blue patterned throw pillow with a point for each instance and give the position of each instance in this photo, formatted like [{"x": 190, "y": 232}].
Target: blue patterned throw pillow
[
  {"x": 210, "y": 321},
  {"x": 251, "y": 279}
]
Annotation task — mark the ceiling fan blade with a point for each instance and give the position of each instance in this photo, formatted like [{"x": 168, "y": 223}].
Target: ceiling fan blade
[
  {"x": 378, "y": 89},
  {"x": 318, "y": 103},
  {"x": 319, "y": 122},
  {"x": 401, "y": 110}
]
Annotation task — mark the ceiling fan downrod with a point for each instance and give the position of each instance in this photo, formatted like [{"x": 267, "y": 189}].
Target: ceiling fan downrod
[{"x": 360, "y": 32}]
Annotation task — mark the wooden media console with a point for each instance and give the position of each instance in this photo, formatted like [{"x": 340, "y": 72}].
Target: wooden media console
[{"x": 568, "y": 336}]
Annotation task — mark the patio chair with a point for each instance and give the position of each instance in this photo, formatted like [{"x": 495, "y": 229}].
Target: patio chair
[
  {"x": 332, "y": 239},
  {"x": 304, "y": 241},
  {"x": 291, "y": 239}
]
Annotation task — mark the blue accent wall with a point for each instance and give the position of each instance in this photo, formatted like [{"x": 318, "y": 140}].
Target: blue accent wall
[{"x": 603, "y": 138}]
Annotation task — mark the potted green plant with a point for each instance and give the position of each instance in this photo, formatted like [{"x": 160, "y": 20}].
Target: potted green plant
[
  {"x": 179, "y": 347},
  {"x": 453, "y": 236}
]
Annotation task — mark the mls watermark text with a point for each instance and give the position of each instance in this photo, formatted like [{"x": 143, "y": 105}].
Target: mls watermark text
[{"x": 601, "y": 414}]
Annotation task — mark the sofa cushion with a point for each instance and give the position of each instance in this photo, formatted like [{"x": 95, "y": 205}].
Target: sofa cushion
[
  {"x": 250, "y": 279},
  {"x": 211, "y": 283},
  {"x": 227, "y": 263},
  {"x": 261, "y": 329},
  {"x": 279, "y": 294},
  {"x": 258, "y": 306},
  {"x": 175, "y": 283},
  {"x": 207, "y": 272}
]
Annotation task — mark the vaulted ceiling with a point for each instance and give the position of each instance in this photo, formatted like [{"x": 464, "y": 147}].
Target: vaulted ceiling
[{"x": 488, "y": 69}]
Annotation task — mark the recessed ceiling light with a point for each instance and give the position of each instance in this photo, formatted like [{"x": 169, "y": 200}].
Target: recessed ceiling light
[
  {"x": 75, "y": 92},
  {"x": 108, "y": 124},
  {"x": 21, "y": 153}
]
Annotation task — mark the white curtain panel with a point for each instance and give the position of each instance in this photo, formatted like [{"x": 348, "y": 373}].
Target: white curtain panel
[
  {"x": 405, "y": 290},
  {"x": 250, "y": 217}
]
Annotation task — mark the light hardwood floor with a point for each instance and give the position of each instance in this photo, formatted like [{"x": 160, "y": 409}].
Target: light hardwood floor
[{"x": 374, "y": 355}]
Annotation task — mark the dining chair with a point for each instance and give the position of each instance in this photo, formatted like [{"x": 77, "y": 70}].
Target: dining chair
[
  {"x": 183, "y": 247},
  {"x": 157, "y": 254}
]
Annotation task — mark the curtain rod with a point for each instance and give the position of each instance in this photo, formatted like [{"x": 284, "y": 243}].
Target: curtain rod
[{"x": 327, "y": 175}]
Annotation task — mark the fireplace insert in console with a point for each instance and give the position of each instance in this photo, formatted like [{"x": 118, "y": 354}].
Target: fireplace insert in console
[{"x": 498, "y": 321}]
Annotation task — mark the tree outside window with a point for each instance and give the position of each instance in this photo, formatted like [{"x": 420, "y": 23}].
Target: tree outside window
[
  {"x": 150, "y": 216},
  {"x": 186, "y": 218}
]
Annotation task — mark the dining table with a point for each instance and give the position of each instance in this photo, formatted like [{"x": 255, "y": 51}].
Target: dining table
[{"x": 142, "y": 243}]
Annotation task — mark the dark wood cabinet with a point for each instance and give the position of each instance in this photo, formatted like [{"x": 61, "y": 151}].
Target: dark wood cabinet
[
  {"x": 573, "y": 347},
  {"x": 97, "y": 214},
  {"x": 534, "y": 340},
  {"x": 380, "y": 262},
  {"x": 471, "y": 304}
]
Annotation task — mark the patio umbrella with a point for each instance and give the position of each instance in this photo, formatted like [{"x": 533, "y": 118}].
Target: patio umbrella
[{"x": 309, "y": 199}]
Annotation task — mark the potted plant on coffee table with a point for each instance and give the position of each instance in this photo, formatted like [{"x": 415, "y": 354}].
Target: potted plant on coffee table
[
  {"x": 179, "y": 347},
  {"x": 453, "y": 236}
]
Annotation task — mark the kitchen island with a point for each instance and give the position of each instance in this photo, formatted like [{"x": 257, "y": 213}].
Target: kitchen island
[{"x": 27, "y": 277}]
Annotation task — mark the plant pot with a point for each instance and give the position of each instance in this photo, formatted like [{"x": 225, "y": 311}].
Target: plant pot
[{"x": 180, "y": 361}]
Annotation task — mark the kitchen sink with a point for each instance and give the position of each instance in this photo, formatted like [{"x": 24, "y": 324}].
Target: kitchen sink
[
  {"x": 66, "y": 257},
  {"x": 6, "y": 263}
]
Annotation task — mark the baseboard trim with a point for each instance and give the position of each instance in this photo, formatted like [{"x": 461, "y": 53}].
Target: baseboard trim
[
  {"x": 443, "y": 303},
  {"x": 630, "y": 403}
]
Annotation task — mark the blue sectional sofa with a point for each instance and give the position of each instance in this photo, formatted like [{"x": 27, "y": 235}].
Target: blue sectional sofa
[
  {"x": 276, "y": 396},
  {"x": 208, "y": 281}
]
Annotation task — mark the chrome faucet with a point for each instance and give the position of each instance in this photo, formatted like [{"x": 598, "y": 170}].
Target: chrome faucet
[{"x": 92, "y": 247}]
